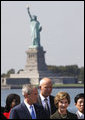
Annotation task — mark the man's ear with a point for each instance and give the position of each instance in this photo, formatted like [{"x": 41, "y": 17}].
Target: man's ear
[
  {"x": 26, "y": 95},
  {"x": 39, "y": 87}
]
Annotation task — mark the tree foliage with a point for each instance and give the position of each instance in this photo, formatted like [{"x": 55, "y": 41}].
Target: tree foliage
[
  {"x": 70, "y": 70},
  {"x": 81, "y": 75},
  {"x": 11, "y": 71},
  {"x": 20, "y": 70}
]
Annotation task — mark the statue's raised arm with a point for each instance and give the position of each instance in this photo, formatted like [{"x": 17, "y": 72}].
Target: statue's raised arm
[
  {"x": 29, "y": 12},
  {"x": 35, "y": 29}
]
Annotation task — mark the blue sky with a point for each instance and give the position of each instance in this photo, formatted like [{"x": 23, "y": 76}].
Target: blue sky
[{"x": 62, "y": 35}]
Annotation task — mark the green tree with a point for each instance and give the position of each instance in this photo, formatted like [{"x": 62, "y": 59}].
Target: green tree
[
  {"x": 52, "y": 68},
  {"x": 72, "y": 70},
  {"x": 3, "y": 75},
  {"x": 81, "y": 75},
  {"x": 20, "y": 70},
  {"x": 11, "y": 71}
]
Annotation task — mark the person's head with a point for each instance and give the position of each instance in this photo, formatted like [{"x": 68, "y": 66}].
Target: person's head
[
  {"x": 34, "y": 17},
  {"x": 11, "y": 101},
  {"x": 45, "y": 87},
  {"x": 79, "y": 102},
  {"x": 62, "y": 101},
  {"x": 30, "y": 93}
]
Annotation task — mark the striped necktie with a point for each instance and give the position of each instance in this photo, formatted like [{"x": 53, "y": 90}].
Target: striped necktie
[{"x": 47, "y": 106}]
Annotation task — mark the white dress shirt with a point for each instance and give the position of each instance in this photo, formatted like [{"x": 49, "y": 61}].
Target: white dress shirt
[
  {"x": 28, "y": 107},
  {"x": 80, "y": 115},
  {"x": 43, "y": 101}
]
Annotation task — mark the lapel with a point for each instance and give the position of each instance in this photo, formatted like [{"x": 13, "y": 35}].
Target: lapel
[
  {"x": 78, "y": 115},
  {"x": 51, "y": 100},
  {"x": 39, "y": 100},
  {"x": 51, "y": 103},
  {"x": 37, "y": 110},
  {"x": 25, "y": 111}
]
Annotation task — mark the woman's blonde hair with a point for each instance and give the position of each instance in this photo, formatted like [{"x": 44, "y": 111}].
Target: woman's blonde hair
[{"x": 60, "y": 96}]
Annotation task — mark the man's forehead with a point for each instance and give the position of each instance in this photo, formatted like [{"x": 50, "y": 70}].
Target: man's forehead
[
  {"x": 45, "y": 84},
  {"x": 80, "y": 99},
  {"x": 35, "y": 89}
]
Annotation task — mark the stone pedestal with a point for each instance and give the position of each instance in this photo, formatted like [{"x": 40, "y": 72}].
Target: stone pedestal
[
  {"x": 36, "y": 68},
  {"x": 35, "y": 60}
]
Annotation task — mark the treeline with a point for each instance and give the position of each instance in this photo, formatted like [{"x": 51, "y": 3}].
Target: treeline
[
  {"x": 70, "y": 70},
  {"x": 11, "y": 71}
]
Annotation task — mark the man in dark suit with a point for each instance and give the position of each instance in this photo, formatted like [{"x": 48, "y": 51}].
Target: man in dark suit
[
  {"x": 28, "y": 109},
  {"x": 45, "y": 95}
]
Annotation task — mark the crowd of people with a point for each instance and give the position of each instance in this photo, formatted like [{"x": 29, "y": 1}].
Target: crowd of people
[{"x": 42, "y": 105}]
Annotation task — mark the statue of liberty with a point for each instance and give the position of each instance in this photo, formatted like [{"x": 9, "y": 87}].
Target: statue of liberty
[{"x": 35, "y": 29}]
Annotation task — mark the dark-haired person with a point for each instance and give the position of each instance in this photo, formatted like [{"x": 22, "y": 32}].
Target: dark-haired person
[
  {"x": 11, "y": 101},
  {"x": 62, "y": 101},
  {"x": 79, "y": 103}
]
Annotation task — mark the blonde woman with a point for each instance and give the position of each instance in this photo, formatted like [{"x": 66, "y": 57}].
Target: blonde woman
[{"x": 62, "y": 101}]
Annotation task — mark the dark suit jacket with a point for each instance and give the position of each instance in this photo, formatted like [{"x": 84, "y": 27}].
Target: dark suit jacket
[
  {"x": 21, "y": 112},
  {"x": 70, "y": 115},
  {"x": 53, "y": 108}
]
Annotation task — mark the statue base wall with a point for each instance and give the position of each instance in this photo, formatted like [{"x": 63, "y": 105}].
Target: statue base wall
[{"x": 36, "y": 68}]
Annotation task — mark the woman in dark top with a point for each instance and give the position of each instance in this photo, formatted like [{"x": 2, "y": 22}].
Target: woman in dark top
[
  {"x": 11, "y": 101},
  {"x": 62, "y": 101}
]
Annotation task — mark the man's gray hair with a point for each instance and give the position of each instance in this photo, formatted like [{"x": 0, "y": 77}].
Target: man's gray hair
[
  {"x": 41, "y": 82},
  {"x": 27, "y": 89}
]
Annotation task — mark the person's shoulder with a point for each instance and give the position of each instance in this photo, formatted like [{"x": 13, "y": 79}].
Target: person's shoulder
[
  {"x": 73, "y": 115},
  {"x": 55, "y": 115},
  {"x": 38, "y": 106},
  {"x": 17, "y": 107},
  {"x": 41, "y": 111},
  {"x": 51, "y": 96}
]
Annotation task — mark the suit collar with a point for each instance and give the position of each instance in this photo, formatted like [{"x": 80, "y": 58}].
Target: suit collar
[
  {"x": 43, "y": 98},
  {"x": 25, "y": 110},
  {"x": 27, "y": 113},
  {"x": 37, "y": 110},
  {"x": 79, "y": 114}
]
